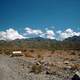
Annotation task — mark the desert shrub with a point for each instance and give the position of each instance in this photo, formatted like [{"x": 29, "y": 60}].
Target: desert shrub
[
  {"x": 73, "y": 53},
  {"x": 32, "y": 50},
  {"x": 28, "y": 55},
  {"x": 1, "y": 51},
  {"x": 51, "y": 72},
  {"x": 72, "y": 59},
  {"x": 79, "y": 54},
  {"x": 39, "y": 56},
  {"x": 52, "y": 52},
  {"x": 8, "y": 52},
  {"x": 36, "y": 68},
  {"x": 24, "y": 50},
  {"x": 75, "y": 67}
]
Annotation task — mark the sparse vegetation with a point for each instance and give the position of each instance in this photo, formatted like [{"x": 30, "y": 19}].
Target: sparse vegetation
[
  {"x": 7, "y": 52},
  {"x": 23, "y": 45},
  {"x": 28, "y": 55},
  {"x": 39, "y": 56},
  {"x": 45, "y": 56},
  {"x": 36, "y": 68},
  {"x": 73, "y": 53},
  {"x": 32, "y": 50}
]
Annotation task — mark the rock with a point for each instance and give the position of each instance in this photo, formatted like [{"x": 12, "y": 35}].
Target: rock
[
  {"x": 68, "y": 67},
  {"x": 76, "y": 76},
  {"x": 77, "y": 73},
  {"x": 66, "y": 62}
]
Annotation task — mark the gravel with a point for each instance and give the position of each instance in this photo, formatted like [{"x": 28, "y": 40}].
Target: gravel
[{"x": 17, "y": 68}]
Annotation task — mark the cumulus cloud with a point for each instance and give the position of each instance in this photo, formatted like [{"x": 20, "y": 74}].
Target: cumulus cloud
[
  {"x": 33, "y": 31},
  {"x": 50, "y": 34},
  {"x": 67, "y": 33},
  {"x": 45, "y": 34},
  {"x": 10, "y": 34}
]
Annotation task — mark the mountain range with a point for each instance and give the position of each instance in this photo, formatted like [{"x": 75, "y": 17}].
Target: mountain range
[{"x": 71, "y": 43}]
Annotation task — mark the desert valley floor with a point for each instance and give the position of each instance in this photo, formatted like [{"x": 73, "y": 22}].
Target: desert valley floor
[{"x": 58, "y": 65}]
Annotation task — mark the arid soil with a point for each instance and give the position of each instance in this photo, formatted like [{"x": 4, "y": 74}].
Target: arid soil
[{"x": 58, "y": 65}]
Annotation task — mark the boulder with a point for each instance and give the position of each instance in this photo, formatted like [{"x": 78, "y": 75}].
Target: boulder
[{"x": 76, "y": 76}]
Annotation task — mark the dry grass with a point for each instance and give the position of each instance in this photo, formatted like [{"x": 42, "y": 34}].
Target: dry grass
[
  {"x": 36, "y": 68},
  {"x": 28, "y": 55},
  {"x": 75, "y": 67}
]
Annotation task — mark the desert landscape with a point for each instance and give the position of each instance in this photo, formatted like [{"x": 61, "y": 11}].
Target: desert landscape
[
  {"x": 39, "y": 39},
  {"x": 38, "y": 63}
]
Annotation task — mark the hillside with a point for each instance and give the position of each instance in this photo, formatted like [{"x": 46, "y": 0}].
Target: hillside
[{"x": 72, "y": 43}]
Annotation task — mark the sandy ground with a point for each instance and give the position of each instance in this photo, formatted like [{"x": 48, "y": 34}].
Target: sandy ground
[
  {"x": 9, "y": 68},
  {"x": 17, "y": 68},
  {"x": 12, "y": 69}
]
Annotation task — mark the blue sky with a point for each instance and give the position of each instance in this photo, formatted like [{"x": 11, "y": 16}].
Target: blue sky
[{"x": 40, "y": 14}]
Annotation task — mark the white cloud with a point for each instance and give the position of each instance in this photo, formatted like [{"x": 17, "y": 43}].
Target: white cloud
[
  {"x": 67, "y": 33},
  {"x": 50, "y": 34},
  {"x": 45, "y": 34},
  {"x": 10, "y": 34},
  {"x": 2, "y": 35},
  {"x": 33, "y": 31}
]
